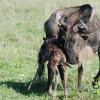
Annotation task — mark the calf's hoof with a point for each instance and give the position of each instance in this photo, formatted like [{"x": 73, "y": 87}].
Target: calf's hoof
[
  {"x": 49, "y": 92},
  {"x": 79, "y": 89},
  {"x": 54, "y": 98},
  {"x": 65, "y": 94}
]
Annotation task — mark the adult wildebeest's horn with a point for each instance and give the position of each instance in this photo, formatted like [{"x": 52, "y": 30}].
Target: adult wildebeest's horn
[
  {"x": 84, "y": 25},
  {"x": 63, "y": 21},
  {"x": 80, "y": 27}
]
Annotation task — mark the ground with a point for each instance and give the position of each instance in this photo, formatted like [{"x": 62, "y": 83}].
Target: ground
[{"x": 21, "y": 32}]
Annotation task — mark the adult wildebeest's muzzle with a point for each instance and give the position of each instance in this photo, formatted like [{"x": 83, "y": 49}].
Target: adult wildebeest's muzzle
[
  {"x": 67, "y": 45},
  {"x": 70, "y": 52}
]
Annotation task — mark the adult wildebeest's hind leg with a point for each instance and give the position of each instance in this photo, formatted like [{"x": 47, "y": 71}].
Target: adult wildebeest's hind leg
[
  {"x": 96, "y": 78},
  {"x": 80, "y": 72},
  {"x": 42, "y": 57},
  {"x": 63, "y": 75}
]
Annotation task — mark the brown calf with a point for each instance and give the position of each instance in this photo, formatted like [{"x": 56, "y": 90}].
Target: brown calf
[{"x": 56, "y": 65}]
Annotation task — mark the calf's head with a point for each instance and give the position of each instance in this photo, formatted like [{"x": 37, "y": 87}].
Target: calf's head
[{"x": 50, "y": 43}]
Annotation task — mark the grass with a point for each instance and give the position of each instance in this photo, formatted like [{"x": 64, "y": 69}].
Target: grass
[{"x": 21, "y": 32}]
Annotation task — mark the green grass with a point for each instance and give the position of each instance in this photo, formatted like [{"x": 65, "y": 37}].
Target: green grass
[{"x": 21, "y": 32}]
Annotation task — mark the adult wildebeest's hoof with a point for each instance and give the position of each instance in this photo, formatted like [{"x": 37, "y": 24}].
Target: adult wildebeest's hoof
[
  {"x": 95, "y": 82},
  {"x": 35, "y": 79}
]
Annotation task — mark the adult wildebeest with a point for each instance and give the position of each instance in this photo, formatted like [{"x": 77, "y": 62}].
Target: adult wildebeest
[
  {"x": 57, "y": 66},
  {"x": 75, "y": 38}
]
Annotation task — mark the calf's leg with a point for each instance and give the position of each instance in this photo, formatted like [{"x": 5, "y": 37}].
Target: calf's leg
[
  {"x": 63, "y": 75},
  {"x": 50, "y": 79},
  {"x": 53, "y": 75}
]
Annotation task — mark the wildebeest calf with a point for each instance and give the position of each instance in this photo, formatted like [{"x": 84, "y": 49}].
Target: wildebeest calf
[{"x": 56, "y": 65}]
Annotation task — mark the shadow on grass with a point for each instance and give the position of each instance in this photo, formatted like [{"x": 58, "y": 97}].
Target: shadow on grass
[{"x": 38, "y": 88}]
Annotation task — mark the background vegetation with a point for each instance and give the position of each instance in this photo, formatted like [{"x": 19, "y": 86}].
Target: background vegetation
[{"x": 21, "y": 32}]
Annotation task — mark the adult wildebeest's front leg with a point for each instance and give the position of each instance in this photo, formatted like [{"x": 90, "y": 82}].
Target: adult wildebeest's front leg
[
  {"x": 63, "y": 75},
  {"x": 96, "y": 78},
  {"x": 42, "y": 57},
  {"x": 80, "y": 72}
]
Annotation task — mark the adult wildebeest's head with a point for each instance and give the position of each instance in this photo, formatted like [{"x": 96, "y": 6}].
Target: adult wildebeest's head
[
  {"x": 51, "y": 25},
  {"x": 71, "y": 28},
  {"x": 78, "y": 20}
]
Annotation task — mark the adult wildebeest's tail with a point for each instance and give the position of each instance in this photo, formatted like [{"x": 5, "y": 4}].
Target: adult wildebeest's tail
[{"x": 42, "y": 57}]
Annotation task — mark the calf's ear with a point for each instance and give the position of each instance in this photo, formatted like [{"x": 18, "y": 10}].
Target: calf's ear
[{"x": 44, "y": 39}]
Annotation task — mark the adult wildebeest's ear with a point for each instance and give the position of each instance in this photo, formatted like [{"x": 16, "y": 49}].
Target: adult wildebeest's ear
[{"x": 63, "y": 22}]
